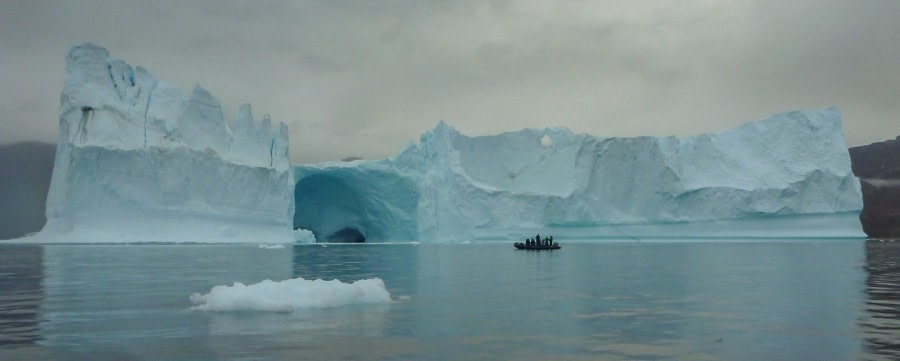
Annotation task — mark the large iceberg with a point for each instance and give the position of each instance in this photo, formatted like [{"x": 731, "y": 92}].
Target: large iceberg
[
  {"x": 785, "y": 176},
  {"x": 138, "y": 161}
]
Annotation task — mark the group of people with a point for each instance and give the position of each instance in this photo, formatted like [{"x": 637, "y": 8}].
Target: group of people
[{"x": 537, "y": 241}]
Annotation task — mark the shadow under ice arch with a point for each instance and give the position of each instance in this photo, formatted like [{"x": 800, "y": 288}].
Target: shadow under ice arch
[{"x": 346, "y": 205}]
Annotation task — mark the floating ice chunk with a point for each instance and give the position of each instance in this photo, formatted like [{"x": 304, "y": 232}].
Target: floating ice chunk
[
  {"x": 271, "y": 246},
  {"x": 290, "y": 295}
]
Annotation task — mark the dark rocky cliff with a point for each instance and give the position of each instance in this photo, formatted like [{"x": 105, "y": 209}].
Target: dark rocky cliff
[
  {"x": 25, "y": 170},
  {"x": 878, "y": 167}
]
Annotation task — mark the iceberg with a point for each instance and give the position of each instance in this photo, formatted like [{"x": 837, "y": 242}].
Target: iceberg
[
  {"x": 138, "y": 161},
  {"x": 788, "y": 175}
]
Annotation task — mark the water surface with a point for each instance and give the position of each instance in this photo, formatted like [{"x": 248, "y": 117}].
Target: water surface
[{"x": 804, "y": 300}]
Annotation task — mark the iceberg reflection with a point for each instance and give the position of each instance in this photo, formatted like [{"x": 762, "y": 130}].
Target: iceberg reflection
[{"x": 21, "y": 282}]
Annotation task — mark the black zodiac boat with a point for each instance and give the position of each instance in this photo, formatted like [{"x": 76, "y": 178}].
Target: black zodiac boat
[{"x": 520, "y": 245}]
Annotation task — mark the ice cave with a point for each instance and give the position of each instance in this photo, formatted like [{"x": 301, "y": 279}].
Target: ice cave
[{"x": 349, "y": 205}]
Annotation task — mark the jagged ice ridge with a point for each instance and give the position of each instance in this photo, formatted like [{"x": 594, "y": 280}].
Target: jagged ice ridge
[{"x": 138, "y": 161}]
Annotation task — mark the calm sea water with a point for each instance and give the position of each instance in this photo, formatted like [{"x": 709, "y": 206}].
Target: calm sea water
[{"x": 809, "y": 300}]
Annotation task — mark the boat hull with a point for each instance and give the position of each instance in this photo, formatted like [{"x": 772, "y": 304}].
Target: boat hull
[{"x": 536, "y": 248}]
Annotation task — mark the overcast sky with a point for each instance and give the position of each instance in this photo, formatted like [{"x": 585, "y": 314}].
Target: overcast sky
[{"x": 363, "y": 78}]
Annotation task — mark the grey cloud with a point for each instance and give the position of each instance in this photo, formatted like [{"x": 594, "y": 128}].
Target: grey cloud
[{"x": 362, "y": 78}]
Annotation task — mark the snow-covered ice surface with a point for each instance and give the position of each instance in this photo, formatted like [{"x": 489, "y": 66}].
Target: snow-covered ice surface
[
  {"x": 290, "y": 295},
  {"x": 784, "y": 176},
  {"x": 138, "y": 161}
]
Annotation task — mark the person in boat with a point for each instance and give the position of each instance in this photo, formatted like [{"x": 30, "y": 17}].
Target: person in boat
[
  {"x": 550, "y": 240},
  {"x": 538, "y": 239}
]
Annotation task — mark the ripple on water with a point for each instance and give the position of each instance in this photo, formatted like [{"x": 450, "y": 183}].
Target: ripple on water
[{"x": 881, "y": 327}]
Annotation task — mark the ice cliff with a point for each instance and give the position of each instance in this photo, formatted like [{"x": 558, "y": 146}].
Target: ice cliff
[
  {"x": 785, "y": 176},
  {"x": 138, "y": 161}
]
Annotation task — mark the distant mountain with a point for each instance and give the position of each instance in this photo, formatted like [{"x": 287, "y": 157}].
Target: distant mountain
[
  {"x": 25, "y": 170},
  {"x": 878, "y": 167}
]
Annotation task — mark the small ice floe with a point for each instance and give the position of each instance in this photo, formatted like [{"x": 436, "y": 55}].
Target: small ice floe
[
  {"x": 271, "y": 246},
  {"x": 290, "y": 295}
]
